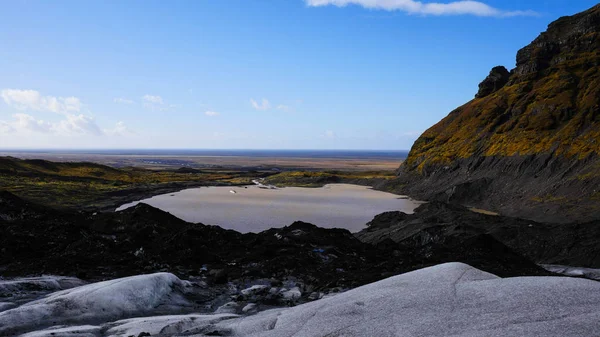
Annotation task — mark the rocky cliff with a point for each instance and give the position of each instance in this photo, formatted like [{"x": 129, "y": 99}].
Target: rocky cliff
[{"x": 528, "y": 145}]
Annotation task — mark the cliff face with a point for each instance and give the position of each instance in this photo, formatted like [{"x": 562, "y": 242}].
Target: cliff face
[{"x": 528, "y": 144}]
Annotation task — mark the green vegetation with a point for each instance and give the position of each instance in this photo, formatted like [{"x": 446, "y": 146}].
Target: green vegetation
[
  {"x": 550, "y": 105},
  {"x": 557, "y": 111},
  {"x": 94, "y": 186},
  {"x": 318, "y": 179}
]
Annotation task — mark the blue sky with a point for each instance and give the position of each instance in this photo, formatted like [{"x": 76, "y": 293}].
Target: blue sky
[{"x": 250, "y": 74}]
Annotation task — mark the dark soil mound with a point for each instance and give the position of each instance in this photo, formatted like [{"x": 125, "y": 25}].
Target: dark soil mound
[
  {"x": 576, "y": 244},
  {"x": 144, "y": 239}
]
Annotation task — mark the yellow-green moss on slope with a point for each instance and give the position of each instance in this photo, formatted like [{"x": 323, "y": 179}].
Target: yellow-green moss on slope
[
  {"x": 320, "y": 178},
  {"x": 89, "y": 185},
  {"x": 549, "y": 105}
]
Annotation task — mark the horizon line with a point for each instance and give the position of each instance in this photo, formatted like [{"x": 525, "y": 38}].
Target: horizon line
[{"x": 187, "y": 149}]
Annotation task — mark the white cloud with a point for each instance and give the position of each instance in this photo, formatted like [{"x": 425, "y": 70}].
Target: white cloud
[
  {"x": 264, "y": 105},
  {"x": 153, "y": 99},
  {"x": 283, "y": 107},
  {"x": 211, "y": 113},
  {"x": 33, "y": 100},
  {"x": 463, "y": 7},
  {"x": 70, "y": 125},
  {"x": 28, "y": 122},
  {"x": 77, "y": 124},
  {"x": 25, "y": 122},
  {"x": 122, "y": 100},
  {"x": 119, "y": 130},
  {"x": 6, "y": 127},
  {"x": 156, "y": 103}
]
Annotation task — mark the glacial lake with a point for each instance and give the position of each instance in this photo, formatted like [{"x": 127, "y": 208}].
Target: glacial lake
[{"x": 254, "y": 209}]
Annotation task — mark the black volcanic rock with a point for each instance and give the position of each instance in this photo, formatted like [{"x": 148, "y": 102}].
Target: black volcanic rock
[
  {"x": 497, "y": 78},
  {"x": 442, "y": 225},
  {"x": 11, "y": 207},
  {"x": 566, "y": 39},
  {"x": 387, "y": 219},
  {"x": 143, "y": 239}
]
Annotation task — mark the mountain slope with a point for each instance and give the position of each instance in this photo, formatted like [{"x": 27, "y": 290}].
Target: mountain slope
[{"x": 528, "y": 144}]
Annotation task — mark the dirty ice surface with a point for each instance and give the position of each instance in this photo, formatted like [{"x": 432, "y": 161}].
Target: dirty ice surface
[{"x": 449, "y": 299}]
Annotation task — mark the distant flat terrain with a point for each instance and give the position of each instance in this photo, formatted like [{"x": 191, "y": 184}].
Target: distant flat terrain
[{"x": 287, "y": 160}]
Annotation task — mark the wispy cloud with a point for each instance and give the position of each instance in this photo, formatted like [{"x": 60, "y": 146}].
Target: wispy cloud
[
  {"x": 153, "y": 99},
  {"x": 211, "y": 113},
  {"x": 264, "y": 105},
  {"x": 77, "y": 124},
  {"x": 72, "y": 122},
  {"x": 27, "y": 122},
  {"x": 123, "y": 100},
  {"x": 156, "y": 103},
  {"x": 119, "y": 130},
  {"x": 464, "y": 7},
  {"x": 6, "y": 127},
  {"x": 69, "y": 126},
  {"x": 329, "y": 134},
  {"x": 33, "y": 100},
  {"x": 283, "y": 107}
]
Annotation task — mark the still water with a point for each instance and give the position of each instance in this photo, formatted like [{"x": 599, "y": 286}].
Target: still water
[{"x": 254, "y": 209}]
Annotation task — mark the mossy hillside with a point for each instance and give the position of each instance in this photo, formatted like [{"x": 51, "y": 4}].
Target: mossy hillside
[
  {"x": 89, "y": 185},
  {"x": 527, "y": 146},
  {"x": 553, "y": 108},
  {"x": 321, "y": 178}
]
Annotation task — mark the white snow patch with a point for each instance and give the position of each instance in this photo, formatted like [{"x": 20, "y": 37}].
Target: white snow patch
[
  {"x": 254, "y": 290},
  {"x": 73, "y": 331},
  {"x": 99, "y": 302},
  {"x": 292, "y": 294},
  {"x": 163, "y": 325},
  {"x": 6, "y": 305},
  {"x": 228, "y": 308},
  {"x": 450, "y": 299},
  {"x": 43, "y": 283},
  {"x": 590, "y": 273},
  {"x": 250, "y": 308}
]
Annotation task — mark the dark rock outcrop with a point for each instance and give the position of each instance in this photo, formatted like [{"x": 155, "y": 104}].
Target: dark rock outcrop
[
  {"x": 527, "y": 148},
  {"x": 566, "y": 39},
  {"x": 439, "y": 225},
  {"x": 143, "y": 239},
  {"x": 497, "y": 78}
]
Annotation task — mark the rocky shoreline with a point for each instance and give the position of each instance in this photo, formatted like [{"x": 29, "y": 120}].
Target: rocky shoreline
[{"x": 115, "y": 199}]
